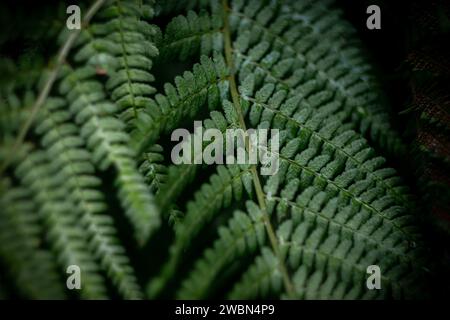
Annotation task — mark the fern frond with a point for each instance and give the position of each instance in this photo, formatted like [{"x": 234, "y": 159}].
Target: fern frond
[
  {"x": 262, "y": 278},
  {"x": 351, "y": 156},
  {"x": 317, "y": 125},
  {"x": 15, "y": 110},
  {"x": 204, "y": 87},
  {"x": 290, "y": 48},
  {"x": 243, "y": 235},
  {"x": 151, "y": 168},
  {"x": 312, "y": 251},
  {"x": 328, "y": 174},
  {"x": 335, "y": 213},
  {"x": 321, "y": 249},
  {"x": 226, "y": 185},
  {"x": 109, "y": 146},
  {"x": 178, "y": 179},
  {"x": 120, "y": 45},
  {"x": 332, "y": 208},
  {"x": 30, "y": 264},
  {"x": 181, "y": 175},
  {"x": 130, "y": 82},
  {"x": 190, "y": 35},
  {"x": 324, "y": 168},
  {"x": 57, "y": 210},
  {"x": 164, "y": 7},
  {"x": 64, "y": 145}
]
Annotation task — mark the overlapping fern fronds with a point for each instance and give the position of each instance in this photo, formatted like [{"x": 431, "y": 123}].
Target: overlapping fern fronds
[{"x": 93, "y": 185}]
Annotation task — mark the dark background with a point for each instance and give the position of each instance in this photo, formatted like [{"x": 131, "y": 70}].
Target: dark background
[{"x": 388, "y": 47}]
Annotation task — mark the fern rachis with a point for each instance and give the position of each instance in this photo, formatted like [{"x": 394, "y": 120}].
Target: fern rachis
[{"x": 104, "y": 191}]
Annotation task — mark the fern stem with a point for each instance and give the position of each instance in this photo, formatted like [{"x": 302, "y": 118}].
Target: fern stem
[
  {"x": 256, "y": 181},
  {"x": 63, "y": 52}
]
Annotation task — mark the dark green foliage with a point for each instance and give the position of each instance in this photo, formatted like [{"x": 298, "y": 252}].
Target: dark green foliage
[{"x": 93, "y": 184}]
